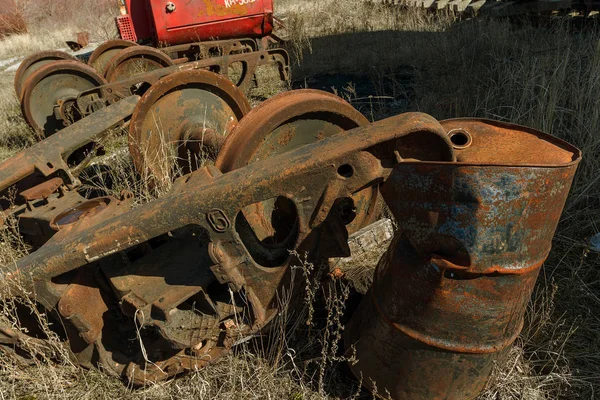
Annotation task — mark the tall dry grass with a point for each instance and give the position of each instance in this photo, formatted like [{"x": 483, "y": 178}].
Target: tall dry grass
[{"x": 546, "y": 77}]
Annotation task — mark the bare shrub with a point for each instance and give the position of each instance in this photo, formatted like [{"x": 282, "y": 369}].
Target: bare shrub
[{"x": 11, "y": 19}]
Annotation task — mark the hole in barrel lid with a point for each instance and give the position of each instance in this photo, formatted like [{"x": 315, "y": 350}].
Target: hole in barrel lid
[{"x": 460, "y": 138}]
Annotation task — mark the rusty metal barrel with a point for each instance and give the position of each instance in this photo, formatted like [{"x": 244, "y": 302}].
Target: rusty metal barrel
[{"x": 449, "y": 295}]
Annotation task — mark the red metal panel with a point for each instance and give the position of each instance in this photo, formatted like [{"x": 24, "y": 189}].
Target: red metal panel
[
  {"x": 196, "y": 20},
  {"x": 126, "y": 29},
  {"x": 141, "y": 18}
]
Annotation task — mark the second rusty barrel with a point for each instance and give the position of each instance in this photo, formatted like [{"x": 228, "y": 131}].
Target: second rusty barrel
[{"x": 449, "y": 295}]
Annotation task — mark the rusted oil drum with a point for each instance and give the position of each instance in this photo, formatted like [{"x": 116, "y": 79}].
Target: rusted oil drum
[{"x": 449, "y": 295}]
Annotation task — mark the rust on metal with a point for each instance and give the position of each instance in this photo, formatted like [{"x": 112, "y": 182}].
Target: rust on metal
[
  {"x": 33, "y": 63},
  {"x": 190, "y": 275},
  {"x": 449, "y": 296},
  {"x": 101, "y": 56},
  {"x": 294, "y": 119},
  {"x": 135, "y": 60},
  {"x": 182, "y": 121},
  {"x": 44, "y": 181},
  {"x": 61, "y": 93},
  {"x": 49, "y": 94},
  {"x": 43, "y": 190},
  {"x": 171, "y": 263}
]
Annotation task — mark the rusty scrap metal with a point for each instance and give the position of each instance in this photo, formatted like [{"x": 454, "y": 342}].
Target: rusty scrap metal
[
  {"x": 188, "y": 112},
  {"x": 188, "y": 275},
  {"x": 219, "y": 64},
  {"x": 38, "y": 186},
  {"x": 49, "y": 95},
  {"x": 61, "y": 93},
  {"x": 450, "y": 293},
  {"x": 101, "y": 56},
  {"x": 33, "y": 63},
  {"x": 296, "y": 118},
  {"x": 135, "y": 60}
]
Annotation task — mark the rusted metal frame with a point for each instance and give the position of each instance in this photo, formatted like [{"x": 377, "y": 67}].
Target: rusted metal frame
[
  {"x": 225, "y": 47},
  {"x": 49, "y": 156},
  {"x": 213, "y": 204},
  {"x": 121, "y": 89},
  {"x": 45, "y": 185}
]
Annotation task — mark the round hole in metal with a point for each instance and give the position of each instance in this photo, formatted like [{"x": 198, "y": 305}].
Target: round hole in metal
[{"x": 460, "y": 138}]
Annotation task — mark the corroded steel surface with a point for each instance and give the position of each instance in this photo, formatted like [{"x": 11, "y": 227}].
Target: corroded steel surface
[
  {"x": 182, "y": 121},
  {"x": 188, "y": 275},
  {"x": 62, "y": 93},
  {"x": 291, "y": 120},
  {"x": 249, "y": 61},
  {"x": 38, "y": 186},
  {"x": 33, "y": 63},
  {"x": 201, "y": 50},
  {"x": 49, "y": 94},
  {"x": 450, "y": 294},
  {"x": 101, "y": 56},
  {"x": 135, "y": 60}
]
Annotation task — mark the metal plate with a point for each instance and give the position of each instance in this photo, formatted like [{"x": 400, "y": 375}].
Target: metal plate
[
  {"x": 202, "y": 20},
  {"x": 135, "y": 60},
  {"x": 50, "y": 85},
  {"x": 33, "y": 63},
  {"x": 183, "y": 117},
  {"x": 105, "y": 52},
  {"x": 283, "y": 123},
  {"x": 81, "y": 211}
]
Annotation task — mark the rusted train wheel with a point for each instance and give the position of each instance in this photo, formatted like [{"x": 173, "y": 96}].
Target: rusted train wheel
[
  {"x": 190, "y": 112},
  {"x": 48, "y": 101},
  {"x": 105, "y": 52},
  {"x": 285, "y": 122},
  {"x": 33, "y": 63},
  {"x": 135, "y": 60}
]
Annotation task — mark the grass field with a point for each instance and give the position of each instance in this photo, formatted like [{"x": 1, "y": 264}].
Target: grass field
[{"x": 386, "y": 61}]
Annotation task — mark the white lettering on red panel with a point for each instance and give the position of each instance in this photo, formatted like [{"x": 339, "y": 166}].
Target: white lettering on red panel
[{"x": 229, "y": 3}]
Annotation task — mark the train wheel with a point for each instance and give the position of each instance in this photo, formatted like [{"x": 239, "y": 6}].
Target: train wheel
[
  {"x": 285, "y": 122},
  {"x": 33, "y": 63},
  {"x": 105, "y": 52},
  {"x": 181, "y": 122},
  {"x": 134, "y": 61},
  {"x": 48, "y": 101}
]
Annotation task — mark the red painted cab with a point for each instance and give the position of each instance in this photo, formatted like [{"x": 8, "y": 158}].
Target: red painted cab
[{"x": 186, "y": 21}]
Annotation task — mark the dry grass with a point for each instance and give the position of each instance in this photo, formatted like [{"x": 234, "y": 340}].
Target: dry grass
[
  {"x": 387, "y": 62},
  {"x": 15, "y": 134}
]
